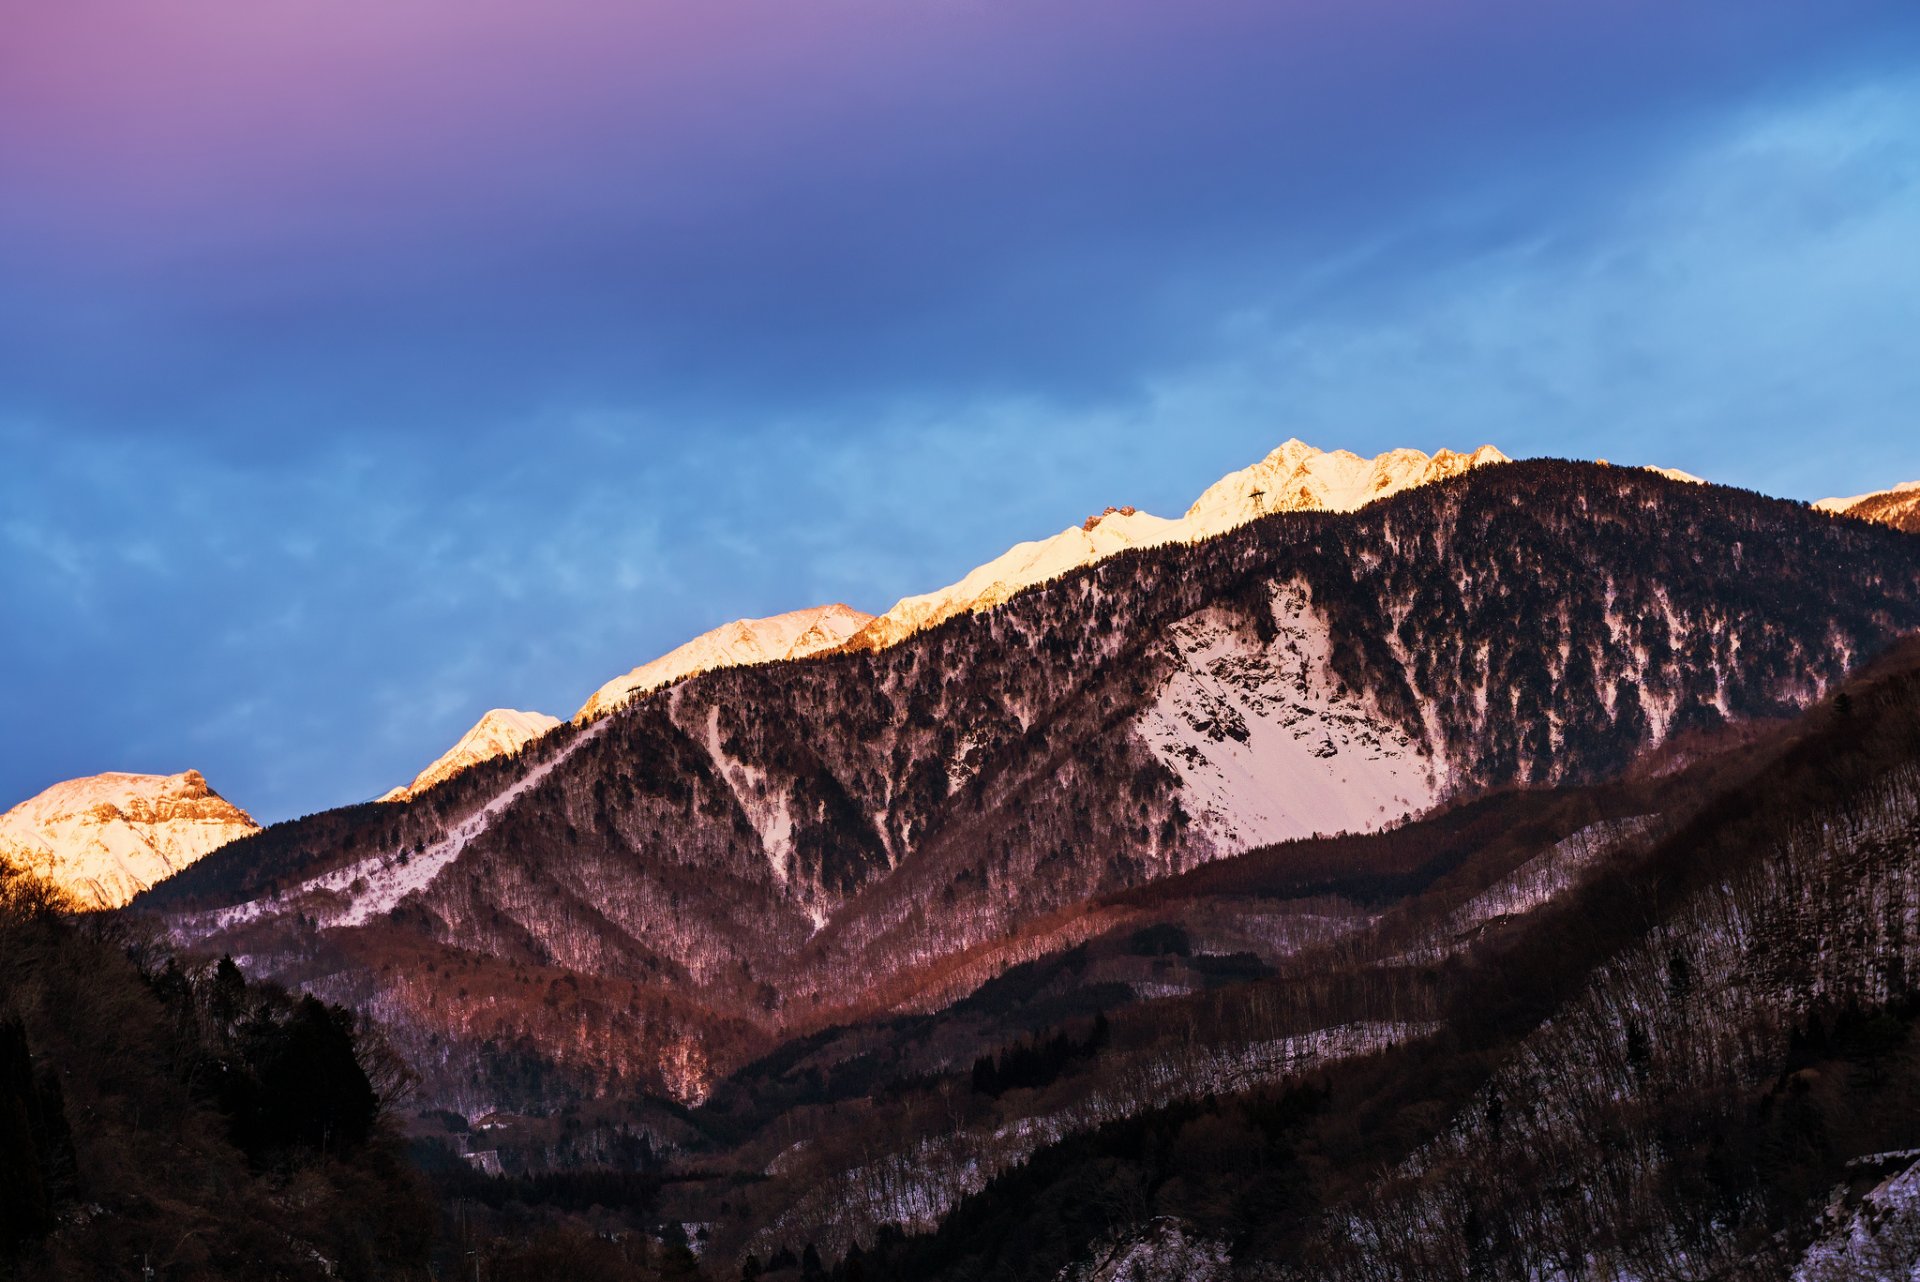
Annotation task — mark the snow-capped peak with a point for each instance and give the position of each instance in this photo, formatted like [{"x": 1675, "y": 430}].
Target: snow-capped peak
[
  {"x": 1848, "y": 504},
  {"x": 793, "y": 635},
  {"x": 500, "y": 732},
  {"x": 1299, "y": 478},
  {"x": 1898, "y": 507},
  {"x": 105, "y": 838},
  {"x": 1296, "y": 477}
]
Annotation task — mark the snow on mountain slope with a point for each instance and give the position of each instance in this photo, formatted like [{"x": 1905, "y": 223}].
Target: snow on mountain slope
[
  {"x": 1019, "y": 567},
  {"x": 1299, "y": 478},
  {"x": 107, "y": 837},
  {"x": 1269, "y": 745},
  {"x": 360, "y": 891},
  {"x": 793, "y": 635},
  {"x": 500, "y": 732},
  {"x": 1848, "y": 504},
  {"x": 1898, "y": 507},
  {"x": 1296, "y": 477}
]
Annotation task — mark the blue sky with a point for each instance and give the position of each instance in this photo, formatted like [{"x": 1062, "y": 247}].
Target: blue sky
[{"x": 359, "y": 373}]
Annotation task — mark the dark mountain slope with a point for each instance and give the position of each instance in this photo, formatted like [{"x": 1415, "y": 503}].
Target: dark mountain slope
[
  {"x": 1664, "y": 1072},
  {"x": 761, "y": 851}
]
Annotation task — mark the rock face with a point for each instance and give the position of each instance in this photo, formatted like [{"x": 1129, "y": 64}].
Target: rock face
[
  {"x": 793, "y": 635},
  {"x": 499, "y": 733},
  {"x": 1898, "y": 507},
  {"x": 105, "y": 838},
  {"x": 1294, "y": 478}
]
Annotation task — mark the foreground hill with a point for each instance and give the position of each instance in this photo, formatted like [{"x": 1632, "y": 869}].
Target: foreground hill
[{"x": 647, "y": 901}]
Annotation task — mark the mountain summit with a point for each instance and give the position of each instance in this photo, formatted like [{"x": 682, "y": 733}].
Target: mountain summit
[
  {"x": 793, "y": 635},
  {"x": 1296, "y": 477},
  {"x": 499, "y": 732},
  {"x": 106, "y": 838},
  {"x": 1898, "y": 507}
]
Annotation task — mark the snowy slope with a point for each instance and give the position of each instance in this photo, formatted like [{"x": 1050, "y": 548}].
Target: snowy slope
[
  {"x": 1019, "y": 567},
  {"x": 355, "y": 894},
  {"x": 1294, "y": 478},
  {"x": 107, "y": 837},
  {"x": 1268, "y": 744},
  {"x": 1299, "y": 478},
  {"x": 1898, "y": 507},
  {"x": 1848, "y": 504},
  {"x": 793, "y": 635},
  {"x": 499, "y": 733}
]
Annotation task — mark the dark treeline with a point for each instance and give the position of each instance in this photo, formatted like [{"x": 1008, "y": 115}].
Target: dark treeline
[{"x": 1037, "y": 1062}]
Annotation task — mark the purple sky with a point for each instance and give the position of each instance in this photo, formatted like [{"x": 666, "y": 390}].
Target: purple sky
[{"x": 364, "y": 366}]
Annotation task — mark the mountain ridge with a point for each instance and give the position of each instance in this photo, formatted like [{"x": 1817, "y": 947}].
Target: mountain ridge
[
  {"x": 1293, "y": 477},
  {"x": 1898, "y": 507},
  {"x": 715, "y": 868}
]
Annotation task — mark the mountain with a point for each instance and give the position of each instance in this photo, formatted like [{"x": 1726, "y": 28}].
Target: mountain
[
  {"x": 793, "y": 635},
  {"x": 1662, "y": 1028},
  {"x": 1299, "y": 478},
  {"x": 105, "y": 838},
  {"x": 499, "y": 733},
  {"x": 648, "y": 901},
  {"x": 1296, "y": 477},
  {"x": 1898, "y": 507}
]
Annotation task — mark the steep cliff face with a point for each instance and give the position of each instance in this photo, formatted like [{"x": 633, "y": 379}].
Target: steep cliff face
[
  {"x": 760, "y": 850},
  {"x": 106, "y": 838}
]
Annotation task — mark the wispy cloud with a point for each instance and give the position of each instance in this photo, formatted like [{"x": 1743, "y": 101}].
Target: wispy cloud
[{"x": 293, "y": 498}]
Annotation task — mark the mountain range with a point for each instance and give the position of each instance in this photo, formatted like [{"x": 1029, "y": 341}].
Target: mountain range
[
  {"x": 1391, "y": 868},
  {"x": 1294, "y": 477},
  {"x": 707, "y": 870}
]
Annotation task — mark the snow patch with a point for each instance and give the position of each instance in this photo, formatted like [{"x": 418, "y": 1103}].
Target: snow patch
[
  {"x": 377, "y": 884},
  {"x": 1267, "y": 745}
]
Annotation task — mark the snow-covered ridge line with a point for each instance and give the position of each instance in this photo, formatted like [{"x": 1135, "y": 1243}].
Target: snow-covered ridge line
[
  {"x": 499, "y": 732},
  {"x": 743, "y": 642},
  {"x": 1296, "y": 477},
  {"x": 378, "y": 883},
  {"x": 1853, "y": 501}
]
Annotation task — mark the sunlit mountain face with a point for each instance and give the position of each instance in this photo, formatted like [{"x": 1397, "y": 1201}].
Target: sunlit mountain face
[{"x": 959, "y": 642}]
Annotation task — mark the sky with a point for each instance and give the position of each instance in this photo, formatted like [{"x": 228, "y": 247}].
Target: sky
[{"x": 366, "y": 364}]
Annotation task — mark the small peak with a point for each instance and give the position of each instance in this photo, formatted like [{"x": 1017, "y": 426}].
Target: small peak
[
  {"x": 1294, "y": 450},
  {"x": 1128, "y": 510}
]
